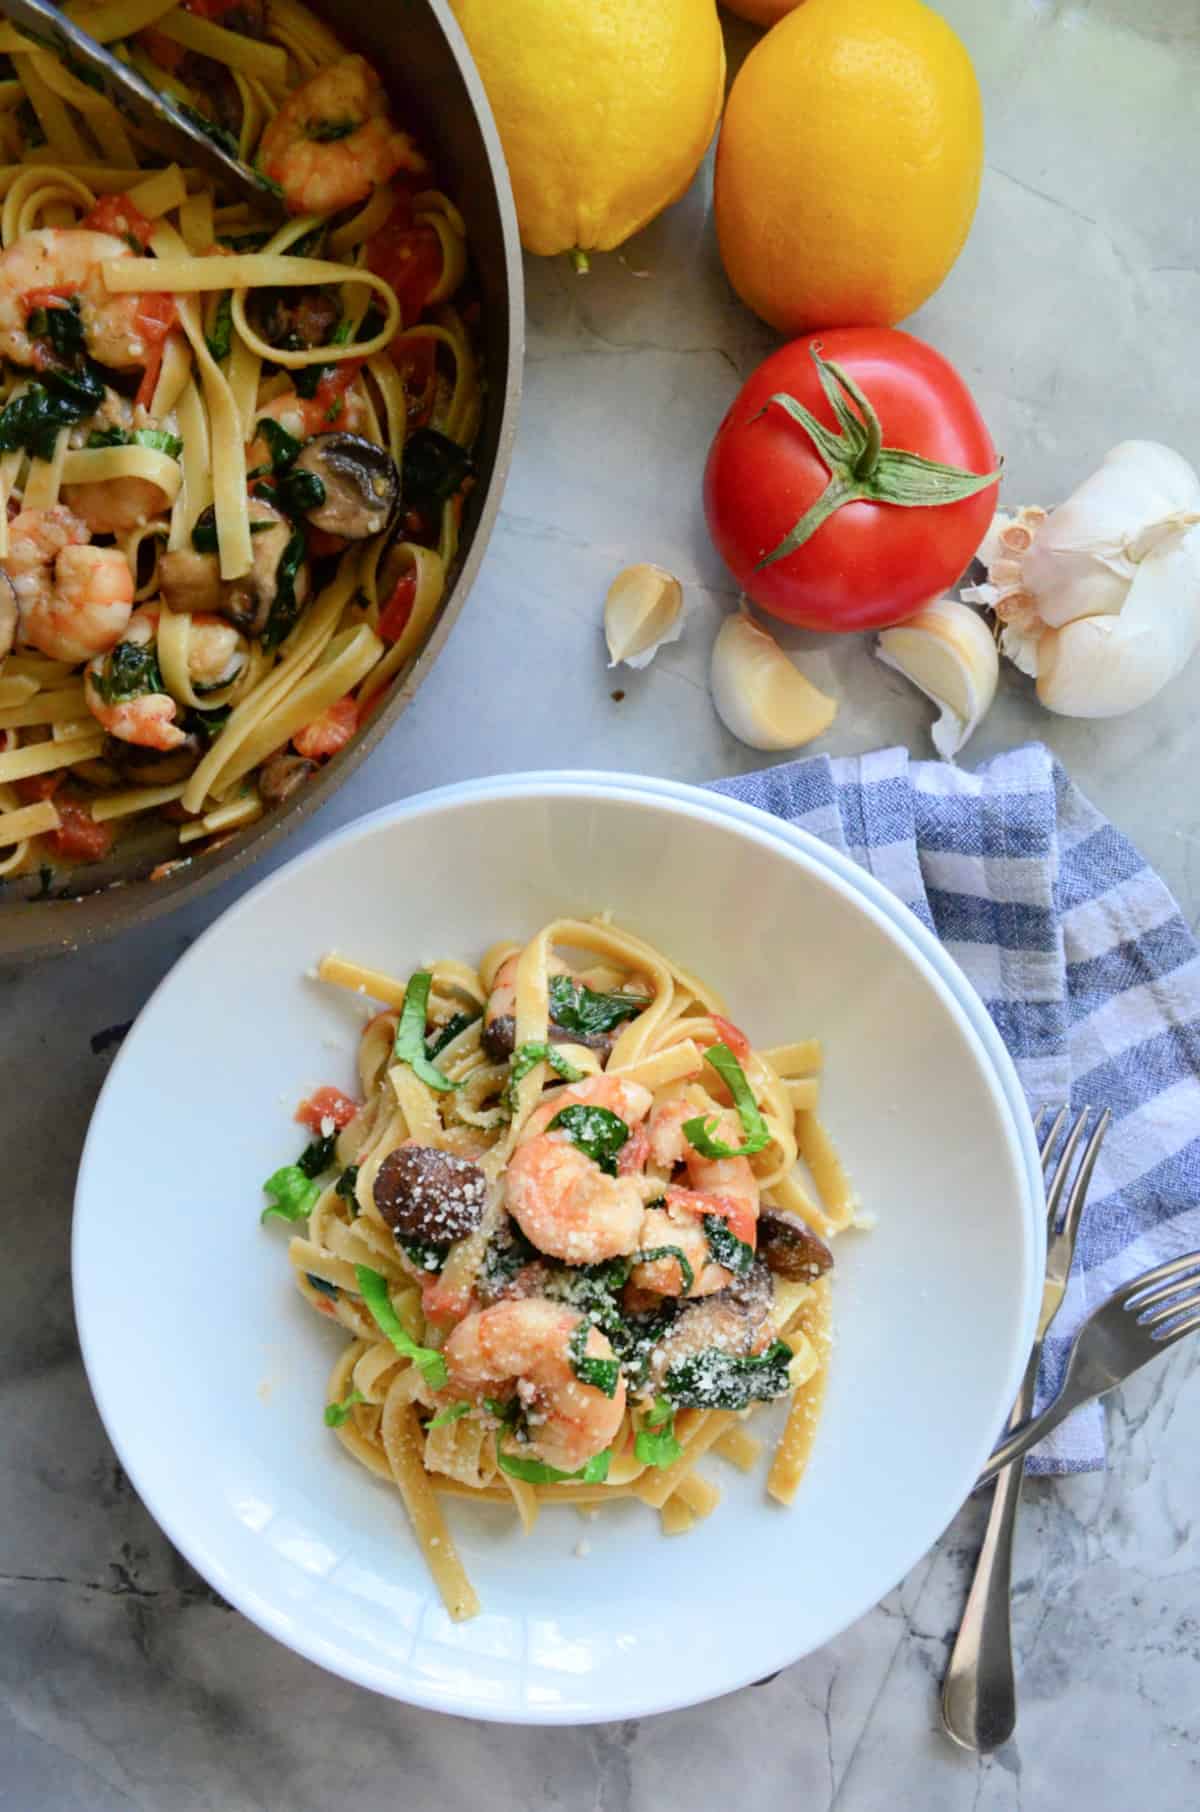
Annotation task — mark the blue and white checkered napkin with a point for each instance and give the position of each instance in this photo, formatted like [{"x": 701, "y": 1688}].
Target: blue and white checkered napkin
[{"x": 1081, "y": 957}]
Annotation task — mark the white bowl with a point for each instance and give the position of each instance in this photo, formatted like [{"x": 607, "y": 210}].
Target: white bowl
[{"x": 209, "y": 1371}]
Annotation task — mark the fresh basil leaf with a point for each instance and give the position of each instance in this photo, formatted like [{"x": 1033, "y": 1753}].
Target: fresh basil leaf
[
  {"x": 410, "y": 1035},
  {"x": 578, "y": 1008},
  {"x": 725, "y": 1246},
  {"x": 455, "y": 1413},
  {"x": 536, "y": 1472},
  {"x": 715, "y": 1379},
  {"x": 220, "y": 340},
  {"x": 507, "y": 1413},
  {"x": 437, "y": 1041},
  {"x": 655, "y": 1443},
  {"x": 285, "y": 611},
  {"x": 758, "y": 1136},
  {"x": 526, "y": 1058},
  {"x": 294, "y": 1195},
  {"x": 130, "y": 671},
  {"x": 373, "y": 1286},
  {"x": 701, "y": 1137},
  {"x": 317, "y": 1156},
  {"x": 282, "y": 446},
  {"x": 599, "y": 1374},
  {"x": 650, "y": 1253},
  {"x": 434, "y": 469},
  {"x": 345, "y": 1187},
  {"x": 596, "y": 1131},
  {"x": 336, "y": 1413}
]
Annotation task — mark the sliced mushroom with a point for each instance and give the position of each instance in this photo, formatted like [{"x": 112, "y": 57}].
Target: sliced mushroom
[
  {"x": 190, "y": 581},
  {"x": 360, "y": 482},
  {"x": 426, "y": 1194},
  {"x": 248, "y": 601},
  {"x": 279, "y": 777},
  {"x": 736, "y": 1320},
  {"x": 293, "y": 318},
  {"x": 499, "y": 1036},
  {"x": 139, "y": 766},
  {"x": 9, "y": 616},
  {"x": 791, "y": 1248}
]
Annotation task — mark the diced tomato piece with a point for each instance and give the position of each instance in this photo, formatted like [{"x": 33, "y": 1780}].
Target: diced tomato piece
[
  {"x": 326, "y": 734},
  {"x": 326, "y": 1103},
  {"x": 408, "y": 255},
  {"x": 44, "y": 298},
  {"x": 36, "y": 787},
  {"x": 741, "y": 1217},
  {"x": 393, "y": 618},
  {"x": 160, "y": 49},
  {"x": 737, "y": 1041},
  {"x": 210, "y": 9},
  {"x": 117, "y": 215},
  {"x": 329, "y": 398},
  {"x": 156, "y": 316},
  {"x": 79, "y": 838}
]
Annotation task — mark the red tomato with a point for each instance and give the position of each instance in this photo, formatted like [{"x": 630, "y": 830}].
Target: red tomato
[
  {"x": 737, "y": 1041},
  {"x": 870, "y": 563},
  {"x": 326, "y": 1103},
  {"x": 408, "y": 255},
  {"x": 116, "y": 214},
  {"x": 393, "y": 618},
  {"x": 162, "y": 50},
  {"x": 79, "y": 838},
  {"x": 326, "y": 734},
  {"x": 36, "y": 787},
  {"x": 329, "y": 399}
]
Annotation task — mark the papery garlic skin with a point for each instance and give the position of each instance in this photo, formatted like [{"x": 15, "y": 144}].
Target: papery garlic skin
[
  {"x": 760, "y": 696},
  {"x": 949, "y": 654},
  {"x": 643, "y": 612}
]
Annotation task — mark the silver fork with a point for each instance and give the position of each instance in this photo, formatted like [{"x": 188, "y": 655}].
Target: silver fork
[
  {"x": 979, "y": 1696},
  {"x": 1138, "y": 1323}
]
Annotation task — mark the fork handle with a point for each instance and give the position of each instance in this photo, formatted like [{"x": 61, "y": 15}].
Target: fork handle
[{"x": 1033, "y": 1429}]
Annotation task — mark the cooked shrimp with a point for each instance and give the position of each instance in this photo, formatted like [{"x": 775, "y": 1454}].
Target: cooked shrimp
[
  {"x": 115, "y": 505},
  {"x": 562, "y": 1201},
  {"x": 523, "y": 1349},
  {"x": 68, "y": 262},
  {"x": 123, "y": 688},
  {"x": 332, "y": 141},
  {"x": 723, "y": 1187},
  {"x": 499, "y": 1032},
  {"x": 75, "y": 600},
  {"x": 304, "y": 416}
]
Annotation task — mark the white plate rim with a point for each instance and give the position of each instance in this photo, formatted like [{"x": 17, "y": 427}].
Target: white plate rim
[{"x": 692, "y": 800}]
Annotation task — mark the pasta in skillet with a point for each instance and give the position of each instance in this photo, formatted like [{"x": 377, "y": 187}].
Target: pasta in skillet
[{"x": 568, "y": 1226}]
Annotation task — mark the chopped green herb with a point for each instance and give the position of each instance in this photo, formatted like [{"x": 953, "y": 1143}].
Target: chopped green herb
[
  {"x": 294, "y": 1195},
  {"x": 526, "y": 1058},
  {"x": 650, "y": 1253},
  {"x": 437, "y": 1041},
  {"x": 130, "y": 671},
  {"x": 597, "y": 1131},
  {"x": 317, "y": 1156},
  {"x": 699, "y": 1133},
  {"x": 577, "y": 1008},
  {"x": 345, "y": 1187},
  {"x": 324, "y": 132},
  {"x": 715, "y": 1379},
  {"x": 536, "y": 1472},
  {"x": 725, "y": 1246},
  {"x": 434, "y": 468},
  {"x": 655, "y": 1443},
  {"x": 454, "y": 1413},
  {"x": 600, "y": 1374},
  {"x": 410, "y": 1035},
  {"x": 285, "y": 611},
  {"x": 373, "y": 1286},
  {"x": 336, "y": 1413},
  {"x": 282, "y": 446},
  {"x": 220, "y": 340}
]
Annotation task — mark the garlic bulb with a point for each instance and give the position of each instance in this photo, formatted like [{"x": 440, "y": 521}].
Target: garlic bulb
[
  {"x": 947, "y": 651},
  {"x": 760, "y": 696},
  {"x": 643, "y": 612},
  {"x": 1099, "y": 600}
]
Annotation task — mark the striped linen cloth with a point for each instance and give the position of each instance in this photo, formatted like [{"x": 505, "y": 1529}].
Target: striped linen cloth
[{"x": 1084, "y": 962}]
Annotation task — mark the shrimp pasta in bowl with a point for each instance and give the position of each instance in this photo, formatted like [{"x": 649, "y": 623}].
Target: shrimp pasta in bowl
[
  {"x": 576, "y": 1227},
  {"x": 233, "y": 453}
]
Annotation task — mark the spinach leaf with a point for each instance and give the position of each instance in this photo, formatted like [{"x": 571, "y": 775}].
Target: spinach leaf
[
  {"x": 317, "y": 1156},
  {"x": 410, "y": 1035},
  {"x": 426, "y": 1254},
  {"x": 725, "y": 1246},
  {"x": 211, "y": 723},
  {"x": 535, "y": 1472},
  {"x": 294, "y": 1195},
  {"x": 322, "y": 1285},
  {"x": 577, "y": 1008},
  {"x": 600, "y": 1374},
  {"x": 220, "y": 340},
  {"x": 157, "y": 438},
  {"x": 526, "y": 1058},
  {"x": 649, "y": 1253},
  {"x": 345, "y": 1187},
  {"x": 434, "y": 469},
  {"x": 698, "y": 1132},
  {"x": 436, "y": 1043},
  {"x": 373, "y": 1286},
  {"x": 130, "y": 671},
  {"x": 336, "y": 1413},
  {"x": 218, "y": 134},
  {"x": 204, "y": 531},
  {"x": 597, "y": 1131},
  {"x": 455, "y": 1413},
  {"x": 282, "y": 446},
  {"x": 655, "y": 1443},
  {"x": 31, "y": 421},
  {"x": 285, "y": 611},
  {"x": 715, "y": 1379},
  {"x": 63, "y": 328}
]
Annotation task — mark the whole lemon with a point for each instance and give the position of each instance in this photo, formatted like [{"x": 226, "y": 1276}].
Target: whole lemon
[
  {"x": 605, "y": 108},
  {"x": 849, "y": 164}
]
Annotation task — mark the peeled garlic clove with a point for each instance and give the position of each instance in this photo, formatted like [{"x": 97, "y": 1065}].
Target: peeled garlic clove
[
  {"x": 643, "y": 612},
  {"x": 760, "y": 696},
  {"x": 948, "y": 652}
]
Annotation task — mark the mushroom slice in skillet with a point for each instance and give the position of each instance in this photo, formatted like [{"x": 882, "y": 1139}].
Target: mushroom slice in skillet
[
  {"x": 790, "y": 1248},
  {"x": 360, "y": 482}
]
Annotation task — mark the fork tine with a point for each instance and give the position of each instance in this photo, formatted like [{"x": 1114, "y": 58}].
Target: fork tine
[
  {"x": 1168, "y": 1310},
  {"x": 1083, "y": 1178},
  {"x": 1048, "y": 1143},
  {"x": 1132, "y": 1292},
  {"x": 1062, "y": 1171},
  {"x": 1147, "y": 1298},
  {"x": 1177, "y": 1333}
]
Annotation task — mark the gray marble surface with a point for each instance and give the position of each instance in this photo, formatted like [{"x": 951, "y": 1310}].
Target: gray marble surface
[{"x": 126, "y": 1683}]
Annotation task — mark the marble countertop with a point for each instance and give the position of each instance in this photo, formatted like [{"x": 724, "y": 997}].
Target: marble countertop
[{"x": 1072, "y": 313}]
